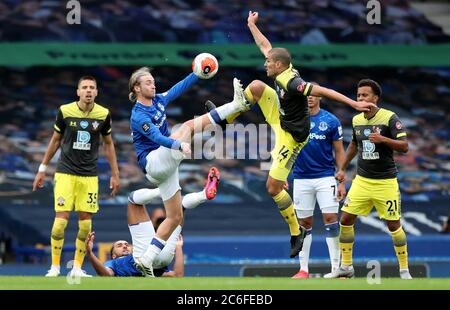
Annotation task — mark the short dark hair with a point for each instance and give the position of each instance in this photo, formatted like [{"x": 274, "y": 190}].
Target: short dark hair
[
  {"x": 86, "y": 77},
  {"x": 281, "y": 54},
  {"x": 112, "y": 250},
  {"x": 376, "y": 88}
]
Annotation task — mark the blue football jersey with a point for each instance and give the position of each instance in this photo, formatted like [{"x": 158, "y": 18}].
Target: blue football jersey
[
  {"x": 125, "y": 267},
  {"x": 316, "y": 158},
  {"x": 149, "y": 125}
]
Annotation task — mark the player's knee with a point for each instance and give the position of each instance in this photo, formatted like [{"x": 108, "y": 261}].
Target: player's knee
[
  {"x": 346, "y": 219},
  {"x": 306, "y": 222},
  {"x": 187, "y": 129},
  {"x": 256, "y": 88},
  {"x": 58, "y": 228},
  {"x": 329, "y": 218},
  {"x": 84, "y": 227},
  {"x": 273, "y": 189},
  {"x": 393, "y": 225}
]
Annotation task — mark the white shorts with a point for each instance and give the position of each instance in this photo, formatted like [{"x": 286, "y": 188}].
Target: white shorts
[
  {"x": 162, "y": 170},
  {"x": 308, "y": 191},
  {"x": 141, "y": 237}
]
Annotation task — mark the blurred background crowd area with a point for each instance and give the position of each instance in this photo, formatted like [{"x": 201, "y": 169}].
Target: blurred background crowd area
[
  {"x": 31, "y": 97},
  {"x": 215, "y": 21}
]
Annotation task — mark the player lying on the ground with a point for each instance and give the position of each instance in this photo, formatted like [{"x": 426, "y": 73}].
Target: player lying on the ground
[{"x": 122, "y": 263}]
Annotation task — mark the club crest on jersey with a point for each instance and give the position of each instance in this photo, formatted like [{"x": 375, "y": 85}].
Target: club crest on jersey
[
  {"x": 323, "y": 126},
  {"x": 84, "y": 124},
  {"x": 95, "y": 125}
]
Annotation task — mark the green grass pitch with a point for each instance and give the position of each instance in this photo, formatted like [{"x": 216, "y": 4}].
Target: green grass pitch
[{"x": 219, "y": 283}]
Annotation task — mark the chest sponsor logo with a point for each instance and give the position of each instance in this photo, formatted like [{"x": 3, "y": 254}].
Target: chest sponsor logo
[
  {"x": 161, "y": 122},
  {"x": 314, "y": 136},
  {"x": 368, "y": 152},
  {"x": 323, "y": 126},
  {"x": 83, "y": 139},
  {"x": 95, "y": 125},
  {"x": 84, "y": 124},
  {"x": 157, "y": 116}
]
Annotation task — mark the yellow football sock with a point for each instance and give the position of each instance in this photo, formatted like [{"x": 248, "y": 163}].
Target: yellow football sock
[
  {"x": 57, "y": 239},
  {"x": 286, "y": 208},
  {"x": 400, "y": 247},
  {"x": 346, "y": 240},
  {"x": 84, "y": 227},
  {"x": 232, "y": 117},
  {"x": 248, "y": 95}
]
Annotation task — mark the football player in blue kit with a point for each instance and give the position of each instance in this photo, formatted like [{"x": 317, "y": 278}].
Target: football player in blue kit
[
  {"x": 159, "y": 154},
  {"x": 314, "y": 180},
  {"x": 123, "y": 257}
]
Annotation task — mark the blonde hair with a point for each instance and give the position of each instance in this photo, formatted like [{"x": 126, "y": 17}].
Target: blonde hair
[{"x": 134, "y": 79}]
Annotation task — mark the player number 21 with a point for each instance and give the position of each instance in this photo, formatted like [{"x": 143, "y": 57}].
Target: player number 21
[{"x": 392, "y": 205}]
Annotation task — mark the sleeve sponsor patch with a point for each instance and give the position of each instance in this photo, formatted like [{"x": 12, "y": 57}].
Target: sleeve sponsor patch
[
  {"x": 301, "y": 87},
  {"x": 145, "y": 127},
  {"x": 398, "y": 125}
]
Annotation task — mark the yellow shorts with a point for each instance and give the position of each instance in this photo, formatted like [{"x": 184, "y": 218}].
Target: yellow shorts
[
  {"x": 75, "y": 191},
  {"x": 383, "y": 194},
  {"x": 286, "y": 148}
]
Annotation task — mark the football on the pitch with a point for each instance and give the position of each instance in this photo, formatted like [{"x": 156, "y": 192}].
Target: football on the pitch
[{"x": 205, "y": 66}]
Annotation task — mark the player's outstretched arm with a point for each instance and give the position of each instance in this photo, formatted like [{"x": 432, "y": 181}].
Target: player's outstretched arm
[
  {"x": 95, "y": 262},
  {"x": 110, "y": 153},
  {"x": 178, "y": 89},
  {"x": 261, "y": 41},
  {"x": 331, "y": 94},
  {"x": 53, "y": 146}
]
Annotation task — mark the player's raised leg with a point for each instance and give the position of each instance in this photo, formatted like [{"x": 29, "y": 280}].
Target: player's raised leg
[{"x": 192, "y": 200}]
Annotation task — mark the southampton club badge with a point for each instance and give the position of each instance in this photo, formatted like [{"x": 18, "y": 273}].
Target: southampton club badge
[
  {"x": 61, "y": 201},
  {"x": 95, "y": 125}
]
